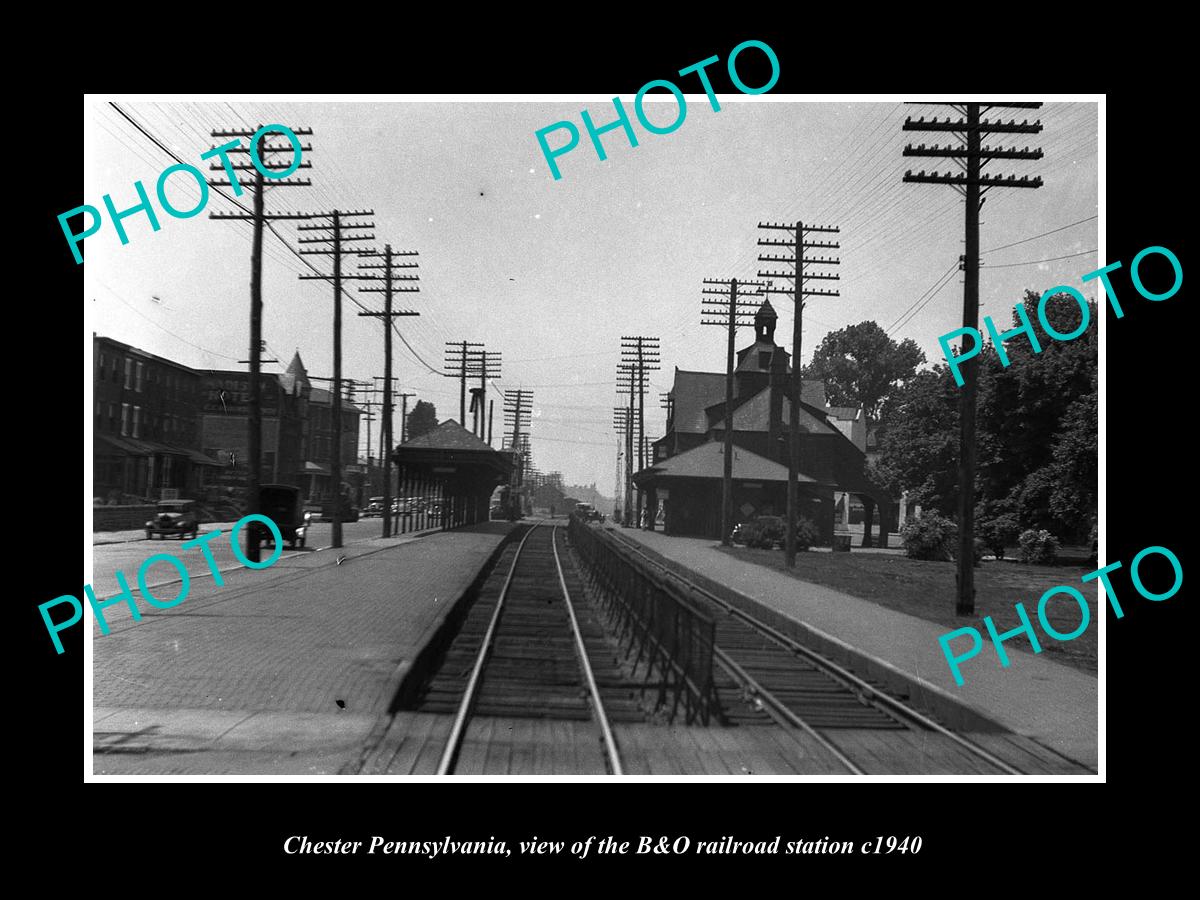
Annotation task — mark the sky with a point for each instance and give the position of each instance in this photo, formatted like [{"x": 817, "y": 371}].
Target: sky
[{"x": 553, "y": 273}]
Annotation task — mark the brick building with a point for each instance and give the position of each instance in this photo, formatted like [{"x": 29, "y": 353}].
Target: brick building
[{"x": 146, "y": 435}]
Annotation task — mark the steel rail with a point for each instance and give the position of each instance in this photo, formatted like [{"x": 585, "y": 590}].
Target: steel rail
[
  {"x": 896, "y": 708},
  {"x": 610, "y": 743},
  {"x": 450, "y": 753},
  {"x": 777, "y": 710}
]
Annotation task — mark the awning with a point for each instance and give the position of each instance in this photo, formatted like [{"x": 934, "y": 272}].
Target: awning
[
  {"x": 201, "y": 459},
  {"x": 125, "y": 445}
]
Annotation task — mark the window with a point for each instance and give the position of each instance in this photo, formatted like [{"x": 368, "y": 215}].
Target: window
[
  {"x": 137, "y": 413},
  {"x": 124, "y": 419},
  {"x": 103, "y": 363},
  {"x": 129, "y": 374},
  {"x": 114, "y": 369},
  {"x": 112, "y": 417},
  {"x": 138, "y": 383},
  {"x": 166, "y": 472}
]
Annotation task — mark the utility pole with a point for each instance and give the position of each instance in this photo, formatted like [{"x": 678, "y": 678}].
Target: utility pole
[
  {"x": 798, "y": 276},
  {"x": 486, "y": 364},
  {"x": 344, "y": 227},
  {"x": 627, "y": 381},
  {"x": 393, "y": 282},
  {"x": 623, "y": 426},
  {"x": 404, "y": 417},
  {"x": 267, "y": 155},
  {"x": 518, "y": 408},
  {"x": 491, "y": 413},
  {"x": 972, "y": 184},
  {"x": 641, "y": 355},
  {"x": 456, "y": 363},
  {"x": 728, "y": 312}
]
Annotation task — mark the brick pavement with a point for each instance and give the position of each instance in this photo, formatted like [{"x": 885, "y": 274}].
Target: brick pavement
[{"x": 295, "y": 638}]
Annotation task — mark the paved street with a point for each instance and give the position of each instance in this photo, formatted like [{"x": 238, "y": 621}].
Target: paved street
[
  {"x": 127, "y": 550},
  {"x": 283, "y": 669}
]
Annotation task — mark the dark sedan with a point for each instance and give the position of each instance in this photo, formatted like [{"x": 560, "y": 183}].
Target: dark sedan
[{"x": 174, "y": 517}]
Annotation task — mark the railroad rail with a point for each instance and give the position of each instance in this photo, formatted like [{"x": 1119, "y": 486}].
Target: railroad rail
[
  {"x": 525, "y": 663},
  {"x": 807, "y": 691}
]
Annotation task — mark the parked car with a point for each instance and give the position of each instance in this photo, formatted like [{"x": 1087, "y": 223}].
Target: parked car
[
  {"x": 174, "y": 517},
  {"x": 283, "y": 505},
  {"x": 374, "y": 507},
  {"x": 348, "y": 510}
]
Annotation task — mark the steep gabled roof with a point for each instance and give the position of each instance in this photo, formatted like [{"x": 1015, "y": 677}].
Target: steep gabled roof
[
  {"x": 708, "y": 461},
  {"x": 752, "y": 415},
  {"x": 448, "y": 436},
  {"x": 693, "y": 392}
]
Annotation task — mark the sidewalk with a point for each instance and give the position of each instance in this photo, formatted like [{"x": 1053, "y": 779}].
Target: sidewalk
[
  {"x": 139, "y": 534},
  {"x": 1051, "y": 703},
  {"x": 253, "y": 676}
]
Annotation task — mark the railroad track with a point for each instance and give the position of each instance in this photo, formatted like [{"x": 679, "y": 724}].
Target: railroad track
[
  {"x": 798, "y": 688},
  {"x": 523, "y": 653}
]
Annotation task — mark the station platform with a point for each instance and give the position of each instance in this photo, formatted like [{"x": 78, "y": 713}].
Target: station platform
[
  {"x": 1052, "y": 704},
  {"x": 281, "y": 670}
]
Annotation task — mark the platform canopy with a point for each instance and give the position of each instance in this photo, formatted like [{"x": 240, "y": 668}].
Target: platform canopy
[{"x": 460, "y": 466}]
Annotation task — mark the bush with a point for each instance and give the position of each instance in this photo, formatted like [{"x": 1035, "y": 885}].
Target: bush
[
  {"x": 998, "y": 532},
  {"x": 807, "y": 533},
  {"x": 1038, "y": 547},
  {"x": 763, "y": 534},
  {"x": 930, "y": 536}
]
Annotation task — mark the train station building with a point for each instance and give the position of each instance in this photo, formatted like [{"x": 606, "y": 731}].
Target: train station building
[{"x": 688, "y": 468}]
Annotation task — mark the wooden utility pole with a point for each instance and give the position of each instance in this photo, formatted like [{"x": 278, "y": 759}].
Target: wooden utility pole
[
  {"x": 457, "y": 364},
  {"x": 344, "y": 227},
  {"x": 639, "y": 355},
  {"x": 799, "y": 276},
  {"x": 267, "y": 155},
  {"x": 971, "y": 157},
  {"x": 403, "y": 418},
  {"x": 390, "y": 278},
  {"x": 735, "y": 313},
  {"x": 518, "y": 408},
  {"x": 486, "y": 364}
]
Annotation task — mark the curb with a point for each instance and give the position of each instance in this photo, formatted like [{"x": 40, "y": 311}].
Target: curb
[{"x": 952, "y": 712}]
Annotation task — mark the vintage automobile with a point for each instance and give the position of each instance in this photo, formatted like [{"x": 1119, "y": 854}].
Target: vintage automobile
[
  {"x": 374, "y": 508},
  {"x": 174, "y": 517},
  {"x": 283, "y": 505},
  {"x": 588, "y": 512}
]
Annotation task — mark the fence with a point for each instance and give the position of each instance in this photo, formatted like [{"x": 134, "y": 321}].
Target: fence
[{"x": 656, "y": 619}]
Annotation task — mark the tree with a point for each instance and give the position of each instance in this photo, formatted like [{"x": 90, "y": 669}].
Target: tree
[
  {"x": 422, "y": 419},
  {"x": 860, "y": 364},
  {"x": 919, "y": 448},
  {"x": 1036, "y": 429}
]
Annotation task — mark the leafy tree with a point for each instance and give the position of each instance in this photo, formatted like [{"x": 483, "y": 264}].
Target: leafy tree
[
  {"x": 919, "y": 449},
  {"x": 422, "y": 419},
  {"x": 860, "y": 364},
  {"x": 1036, "y": 429}
]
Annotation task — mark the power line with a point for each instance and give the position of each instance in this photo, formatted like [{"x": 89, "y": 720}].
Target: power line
[
  {"x": 1030, "y": 262},
  {"x": 1036, "y": 236}
]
